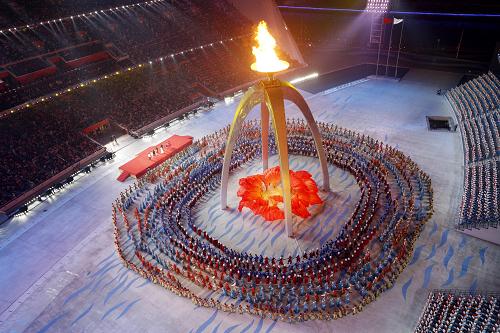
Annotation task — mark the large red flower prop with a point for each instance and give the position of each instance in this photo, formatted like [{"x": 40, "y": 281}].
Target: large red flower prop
[{"x": 264, "y": 196}]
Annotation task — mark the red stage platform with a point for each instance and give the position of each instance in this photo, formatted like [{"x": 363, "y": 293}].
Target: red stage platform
[{"x": 141, "y": 163}]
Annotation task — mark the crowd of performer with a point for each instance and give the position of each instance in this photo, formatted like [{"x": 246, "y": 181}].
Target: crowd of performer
[
  {"x": 476, "y": 104},
  {"x": 460, "y": 311},
  {"x": 340, "y": 277}
]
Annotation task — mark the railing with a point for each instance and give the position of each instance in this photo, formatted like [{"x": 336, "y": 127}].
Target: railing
[
  {"x": 43, "y": 55},
  {"x": 157, "y": 123}
]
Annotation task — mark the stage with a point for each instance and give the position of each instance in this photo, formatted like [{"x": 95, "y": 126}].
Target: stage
[{"x": 153, "y": 156}]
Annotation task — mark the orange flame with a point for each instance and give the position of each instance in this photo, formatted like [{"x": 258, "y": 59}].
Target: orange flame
[{"x": 266, "y": 59}]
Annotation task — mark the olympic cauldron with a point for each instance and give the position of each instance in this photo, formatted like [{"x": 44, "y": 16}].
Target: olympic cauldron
[{"x": 271, "y": 94}]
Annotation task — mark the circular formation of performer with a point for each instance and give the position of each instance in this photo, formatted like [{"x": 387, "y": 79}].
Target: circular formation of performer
[{"x": 156, "y": 234}]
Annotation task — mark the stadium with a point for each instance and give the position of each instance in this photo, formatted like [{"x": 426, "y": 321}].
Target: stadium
[{"x": 249, "y": 166}]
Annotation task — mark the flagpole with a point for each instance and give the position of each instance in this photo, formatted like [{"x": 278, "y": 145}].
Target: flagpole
[
  {"x": 379, "y": 46},
  {"x": 399, "y": 50},
  {"x": 460, "y": 43},
  {"x": 389, "y": 48}
]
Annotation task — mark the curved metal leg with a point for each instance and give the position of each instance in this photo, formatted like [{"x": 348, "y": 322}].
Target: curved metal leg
[
  {"x": 291, "y": 94},
  {"x": 271, "y": 98},
  {"x": 264, "y": 124},
  {"x": 276, "y": 106},
  {"x": 251, "y": 98}
]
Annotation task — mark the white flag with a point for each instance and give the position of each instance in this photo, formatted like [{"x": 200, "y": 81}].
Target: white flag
[{"x": 397, "y": 21}]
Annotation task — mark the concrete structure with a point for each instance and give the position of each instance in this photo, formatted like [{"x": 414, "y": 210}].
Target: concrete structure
[{"x": 59, "y": 271}]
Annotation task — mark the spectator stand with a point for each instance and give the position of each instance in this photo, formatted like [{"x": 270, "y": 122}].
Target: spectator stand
[
  {"x": 170, "y": 77},
  {"x": 51, "y": 186},
  {"x": 35, "y": 77},
  {"x": 139, "y": 99},
  {"x": 125, "y": 33}
]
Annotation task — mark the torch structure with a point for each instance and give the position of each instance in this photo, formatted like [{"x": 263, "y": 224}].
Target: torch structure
[{"x": 271, "y": 95}]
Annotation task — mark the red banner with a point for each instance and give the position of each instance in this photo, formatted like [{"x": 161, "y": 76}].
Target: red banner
[
  {"x": 94, "y": 127},
  {"x": 88, "y": 59},
  {"x": 26, "y": 78}
]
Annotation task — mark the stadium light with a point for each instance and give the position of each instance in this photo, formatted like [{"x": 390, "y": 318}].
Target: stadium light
[
  {"x": 304, "y": 78},
  {"x": 73, "y": 16},
  {"x": 377, "y": 6}
]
